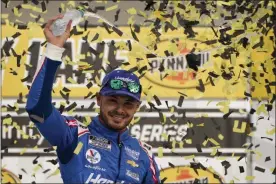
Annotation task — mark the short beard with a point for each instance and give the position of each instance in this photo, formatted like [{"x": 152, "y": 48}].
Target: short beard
[{"x": 106, "y": 124}]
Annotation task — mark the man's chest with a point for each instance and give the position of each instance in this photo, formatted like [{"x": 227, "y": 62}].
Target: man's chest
[{"x": 106, "y": 161}]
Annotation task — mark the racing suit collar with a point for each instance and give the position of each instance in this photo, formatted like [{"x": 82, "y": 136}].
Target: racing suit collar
[{"x": 106, "y": 132}]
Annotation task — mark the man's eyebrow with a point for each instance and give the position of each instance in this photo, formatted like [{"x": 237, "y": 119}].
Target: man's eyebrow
[{"x": 130, "y": 99}]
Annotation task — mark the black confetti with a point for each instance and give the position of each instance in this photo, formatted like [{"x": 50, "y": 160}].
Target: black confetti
[
  {"x": 54, "y": 162},
  {"x": 252, "y": 111},
  {"x": 89, "y": 85},
  {"x": 163, "y": 180},
  {"x": 180, "y": 101},
  {"x": 201, "y": 87},
  {"x": 22, "y": 169},
  {"x": 91, "y": 106},
  {"x": 198, "y": 147},
  {"x": 35, "y": 2},
  {"x": 158, "y": 102},
  {"x": 72, "y": 106},
  {"x": 241, "y": 169},
  {"x": 35, "y": 160},
  {"x": 179, "y": 5},
  {"x": 129, "y": 45},
  {"x": 47, "y": 170},
  {"x": 43, "y": 6},
  {"x": 133, "y": 34},
  {"x": 267, "y": 159},
  {"x": 150, "y": 56},
  {"x": 267, "y": 138},
  {"x": 212, "y": 74},
  {"x": 66, "y": 90},
  {"x": 88, "y": 95},
  {"x": 17, "y": 34},
  {"x": 259, "y": 169},
  {"x": 171, "y": 165},
  {"x": 225, "y": 116},
  {"x": 116, "y": 17},
  {"x": 132, "y": 70},
  {"x": 85, "y": 25}
]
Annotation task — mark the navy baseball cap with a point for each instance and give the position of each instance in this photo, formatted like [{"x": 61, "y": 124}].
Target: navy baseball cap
[{"x": 126, "y": 77}]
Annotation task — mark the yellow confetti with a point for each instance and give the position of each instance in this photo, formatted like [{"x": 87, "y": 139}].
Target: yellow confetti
[
  {"x": 132, "y": 11},
  {"x": 4, "y": 16},
  {"x": 7, "y": 121},
  {"x": 173, "y": 145},
  {"x": 165, "y": 136},
  {"x": 130, "y": 21},
  {"x": 189, "y": 157},
  {"x": 112, "y": 8},
  {"x": 181, "y": 144},
  {"x": 214, "y": 151},
  {"x": 143, "y": 14},
  {"x": 78, "y": 148},
  {"x": 261, "y": 109},
  {"x": 188, "y": 141},
  {"x": 200, "y": 125},
  {"x": 57, "y": 171},
  {"x": 209, "y": 102},
  {"x": 71, "y": 80},
  {"x": 250, "y": 178},
  {"x": 72, "y": 3},
  {"x": 233, "y": 59},
  {"x": 214, "y": 141},
  {"x": 242, "y": 111},
  {"x": 271, "y": 132},
  {"x": 16, "y": 12},
  {"x": 23, "y": 151},
  {"x": 160, "y": 151},
  {"x": 87, "y": 120},
  {"x": 97, "y": 110},
  {"x": 220, "y": 136},
  {"x": 236, "y": 125},
  {"x": 136, "y": 120},
  {"x": 36, "y": 168}
]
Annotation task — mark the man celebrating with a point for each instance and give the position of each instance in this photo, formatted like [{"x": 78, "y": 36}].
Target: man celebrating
[{"x": 106, "y": 152}]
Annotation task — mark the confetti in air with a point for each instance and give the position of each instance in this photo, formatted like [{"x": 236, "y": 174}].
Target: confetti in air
[{"x": 221, "y": 51}]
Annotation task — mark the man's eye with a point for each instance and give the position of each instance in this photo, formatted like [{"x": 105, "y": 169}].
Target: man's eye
[{"x": 129, "y": 104}]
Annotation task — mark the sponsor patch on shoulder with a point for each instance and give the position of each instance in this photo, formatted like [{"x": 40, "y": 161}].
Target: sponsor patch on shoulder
[{"x": 100, "y": 142}]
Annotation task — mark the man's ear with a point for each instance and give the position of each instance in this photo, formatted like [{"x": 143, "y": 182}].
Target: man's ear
[
  {"x": 98, "y": 97},
  {"x": 138, "y": 104}
]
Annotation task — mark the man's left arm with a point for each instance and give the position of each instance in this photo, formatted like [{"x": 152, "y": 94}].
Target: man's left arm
[{"x": 153, "y": 173}]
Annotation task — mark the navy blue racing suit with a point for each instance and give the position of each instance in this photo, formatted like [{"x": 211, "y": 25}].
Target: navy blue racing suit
[{"x": 103, "y": 155}]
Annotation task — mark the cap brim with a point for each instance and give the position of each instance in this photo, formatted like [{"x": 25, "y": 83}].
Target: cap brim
[{"x": 118, "y": 92}]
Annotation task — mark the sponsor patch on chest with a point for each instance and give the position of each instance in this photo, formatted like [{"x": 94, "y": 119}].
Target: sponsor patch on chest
[
  {"x": 100, "y": 142},
  {"x": 132, "y": 175},
  {"x": 132, "y": 153}
]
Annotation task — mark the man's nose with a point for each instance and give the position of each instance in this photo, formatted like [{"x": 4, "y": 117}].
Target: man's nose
[{"x": 120, "y": 108}]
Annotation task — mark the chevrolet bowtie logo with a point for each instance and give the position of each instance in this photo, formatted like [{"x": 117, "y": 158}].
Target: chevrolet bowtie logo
[{"x": 132, "y": 163}]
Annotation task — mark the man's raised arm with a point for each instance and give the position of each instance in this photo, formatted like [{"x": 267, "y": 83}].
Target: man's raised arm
[{"x": 57, "y": 129}]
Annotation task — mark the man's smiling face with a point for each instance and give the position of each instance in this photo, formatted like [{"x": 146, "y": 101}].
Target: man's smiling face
[{"x": 116, "y": 112}]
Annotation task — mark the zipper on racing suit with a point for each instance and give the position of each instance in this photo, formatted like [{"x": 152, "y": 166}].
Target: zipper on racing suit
[{"x": 120, "y": 144}]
